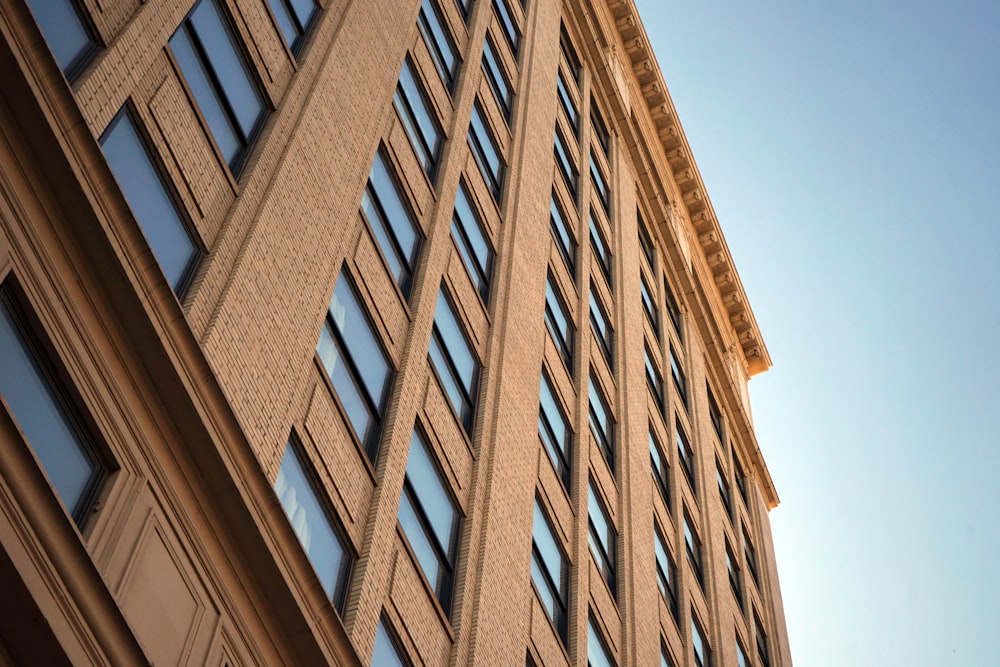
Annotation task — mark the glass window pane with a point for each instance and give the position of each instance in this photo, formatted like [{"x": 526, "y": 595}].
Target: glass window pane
[
  {"x": 597, "y": 653},
  {"x": 419, "y": 120},
  {"x": 64, "y": 30},
  {"x": 439, "y": 42},
  {"x": 148, "y": 198},
  {"x": 419, "y": 540},
  {"x": 485, "y": 151},
  {"x": 42, "y": 415},
  {"x": 391, "y": 221},
  {"x": 355, "y": 404},
  {"x": 457, "y": 345},
  {"x": 564, "y": 240},
  {"x": 497, "y": 78},
  {"x": 287, "y": 24},
  {"x": 365, "y": 351},
  {"x": 385, "y": 652},
  {"x": 477, "y": 254},
  {"x": 566, "y": 166},
  {"x": 431, "y": 492},
  {"x": 600, "y": 249},
  {"x": 508, "y": 24}
]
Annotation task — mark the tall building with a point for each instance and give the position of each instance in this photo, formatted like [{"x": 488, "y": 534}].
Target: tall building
[{"x": 368, "y": 332}]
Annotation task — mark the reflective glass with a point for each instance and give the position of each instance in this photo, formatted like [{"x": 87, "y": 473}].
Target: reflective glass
[
  {"x": 65, "y": 32},
  {"x": 497, "y": 78},
  {"x": 439, "y": 42},
  {"x": 467, "y": 229}
]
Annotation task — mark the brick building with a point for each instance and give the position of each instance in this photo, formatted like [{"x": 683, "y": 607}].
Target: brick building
[{"x": 367, "y": 332}]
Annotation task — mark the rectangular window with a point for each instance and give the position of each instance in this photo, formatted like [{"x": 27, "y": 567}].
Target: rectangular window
[
  {"x": 485, "y": 150},
  {"x": 649, "y": 305},
  {"x": 660, "y": 468},
  {"x": 741, "y": 654},
  {"x": 356, "y": 363},
  {"x": 654, "y": 380},
  {"x": 597, "y": 650},
  {"x": 672, "y": 310},
  {"x": 602, "y": 424},
  {"x": 221, "y": 81},
  {"x": 678, "y": 375},
  {"x": 762, "y": 653},
  {"x": 569, "y": 54},
  {"x": 601, "y": 135},
  {"x": 666, "y": 573},
  {"x": 567, "y": 103},
  {"x": 564, "y": 239},
  {"x": 415, "y": 111},
  {"x": 510, "y": 30},
  {"x": 601, "y": 326},
  {"x": 476, "y": 251},
  {"x": 733, "y": 569},
  {"x": 566, "y": 166},
  {"x": 444, "y": 53},
  {"x": 645, "y": 242},
  {"x": 454, "y": 361},
  {"x": 387, "y": 652},
  {"x": 41, "y": 406},
  {"x": 600, "y": 185},
  {"x": 602, "y": 537},
  {"x": 294, "y": 18},
  {"x": 601, "y": 250},
  {"x": 67, "y": 34},
  {"x": 553, "y": 426},
  {"x": 741, "y": 479},
  {"x": 150, "y": 199},
  {"x": 685, "y": 455},
  {"x": 714, "y": 414},
  {"x": 497, "y": 78},
  {"x": 750, "y": 554},
  {"x": 693, "y": 545},
  {"x": 665, "y": 659},
  {"x": 557, "y": 319},
  {"x": 430, "y": 520},
  {"x": 549, "y": 570},
  {"x": 391, "y": 220},
  {"x": 724, "y": 493},
  {"x": 307, "y": 512},
  {"x": 702, "y": 652},
  {"x": 464, "y": 6}
]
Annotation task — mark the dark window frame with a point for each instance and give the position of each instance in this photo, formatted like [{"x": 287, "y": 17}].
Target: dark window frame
[
  {"x": 604, "y": 548},
  {"x": 594, "y": 633},
  {"x": 654, "y": 380},
  {"x": 693, "y": 548},
  {"x": 733, "y": 572},
  {"x": 567, "y": 246},
  {"x": 666, "y": 578},
  {"x": 715, "y": 414},
  {"x": 601, "y": 186},
  {"x": 649, "y": 305},
  {"x": 673, "y": 311},
  {"x": 660, "y": 467},
  {"x": 561, "y": 455},
  {"x": 725, "y": 492},
  {"x": 702, "y": 658},
  {"x": 481, "y": 272},
  {"x": 508, "y": 25},
  {"x": 605, "y": 439},
  {"x": 564, "y": 338},
  {"x": 449, "y": 75},
  {"x": 79, "y": 62},
  {"x": 394, "y": 644},
  {"x": 467, "y": 416},
  {"x": 750, "y": 556},
  {"x": 686, "y": 454},
  {"x": 760, "y": 640},
  {"x": 605, "y": 334},
  {"x": 569, "y": 53},
  {"x": 601, "y": 250},
  {"x": 559, "y": 590},
  {"x": 600, "y": 129},
  {"x": 494, "y": 179},
  {"x": 301, "y": 28},
  {"x": 428, "y": 149},
  {"x": 677, "y": 373},
  {"x": 646, "y": 241},
  {"x": 564, "y": 163},
  {"x": 569, "y": 106},
  {"x": 497, "y": 78}
]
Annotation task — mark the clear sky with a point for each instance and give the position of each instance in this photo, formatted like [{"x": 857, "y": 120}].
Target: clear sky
[{"x": 852, "y": 153}]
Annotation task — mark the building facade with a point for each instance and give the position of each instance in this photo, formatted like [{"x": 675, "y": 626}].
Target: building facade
[{"x": 368, "y": 332}]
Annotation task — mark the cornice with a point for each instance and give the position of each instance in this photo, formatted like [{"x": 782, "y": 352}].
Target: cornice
[{"x": 693, "y": 194}]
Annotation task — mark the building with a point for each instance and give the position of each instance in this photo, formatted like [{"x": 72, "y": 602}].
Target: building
[{"x": 333, "y": 328}]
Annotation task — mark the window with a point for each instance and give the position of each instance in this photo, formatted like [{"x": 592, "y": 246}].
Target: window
[
  {"x": 454, "y": 361},
  {"x": 567, "y": 103},
  {"x": 648, "y": 305},
  {"x": 666, "y": 573},
  {"x": 418, "y": 119},
  {"x": 733, "y": 568},
  {"x": 566, "y": 166},
  {"x": 294, "y": 18},
  {"x": 564, "y": 239},
  {"x": 70, "y": 38},
  {"x": 724, "y": 493},
  {"x": 597, "y": 650},
  {"x": 356, "y": 363},
  {"x": 741, "y": 654},
  {"x": 672, "y": 310},
  {"x": 387, "y": 652},
  {"x": 150, "y": 199},
  {"x": 600, "y": 185},
  {"x": 484, "y": 149},
  {"x": 692, "y": 543},
  {"x": 653, "y": 380},
  {"x": 750, "y": 554},
  {"x": 509, "y": 26},
  {"x": 601, "y": 326},
  {"x": 600, "y": 247},
  {"x": 702, "y": 652},
  {"x": 685, "y": 455},
  {"x": 741, "y": 479},
  {"x": 645, "y": 242},
  {"x": 660, "y": 467},
  {"x": 42, "y": 407},
  {"x": 601, "y": 135},
  {"x": 391, "y": 221},
  {"x": 553, "y": 426},
  {"x": 549, "y": 570},
  {"x": 476, "y": 251},
  {"x": 678, "y": 375},
  {"x": 308, "y": 514},
  {"x": 665, "y": 659},
  {"x": 762, "y": 653},
  {"x": 430, "y": 520},
  {"x": 497, "y": 78},
  {"x": 439, "y": 42},
  {"x": 714, "y": 414},
  {"x": 464, "y": 6},
  {"x": 220, "y": 80},
  {"x": 558, "y": 321},
  {"x": 569, "y": 54},
  {"x": 601, "y": 423},
  {"x": 601, "y": 535}
]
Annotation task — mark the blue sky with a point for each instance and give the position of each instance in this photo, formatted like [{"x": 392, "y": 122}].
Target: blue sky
[{"x": 852, "y": 153}]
